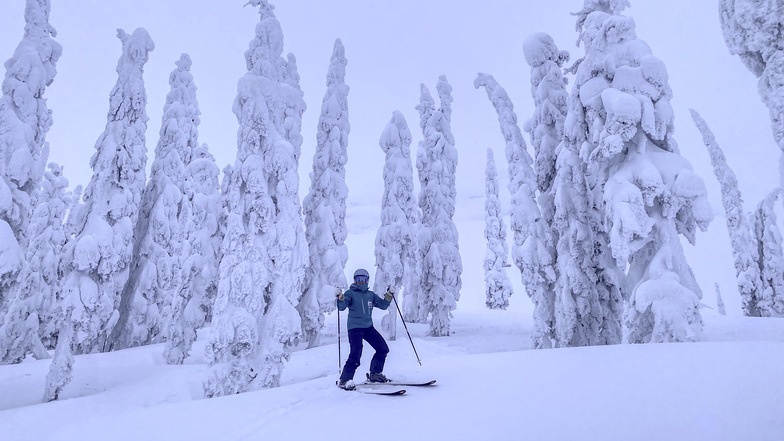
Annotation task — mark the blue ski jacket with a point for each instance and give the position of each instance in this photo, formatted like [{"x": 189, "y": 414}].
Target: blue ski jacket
[{"x": 360, "y": 302}]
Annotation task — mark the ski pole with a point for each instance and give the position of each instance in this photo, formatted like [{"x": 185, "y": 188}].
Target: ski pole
[
  {"x": 339, "y": 356},
  {"x": 406, "y": 327}
]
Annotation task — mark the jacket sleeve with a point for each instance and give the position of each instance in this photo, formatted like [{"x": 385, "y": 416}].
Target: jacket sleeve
[
  {"x": 347, "y": 299},
  {"x": 379, "y": 302}
]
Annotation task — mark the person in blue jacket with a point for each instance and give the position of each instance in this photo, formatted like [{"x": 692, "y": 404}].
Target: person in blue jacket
[{"x": 360, "y": 302}]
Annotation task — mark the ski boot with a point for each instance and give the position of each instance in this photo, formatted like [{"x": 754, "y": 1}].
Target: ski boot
[
  {"x": 377, "y": 377},
  {"x": 347, "y": 385}
]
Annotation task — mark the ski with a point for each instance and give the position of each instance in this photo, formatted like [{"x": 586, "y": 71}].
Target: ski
[
  {"x": 379, "y": 391},
  {"x": 399, "y": 383},
  {"x": 393, "y": 392}
]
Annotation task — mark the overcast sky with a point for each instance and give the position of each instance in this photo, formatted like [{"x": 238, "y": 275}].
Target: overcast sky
[{"x": 391, "y": 48}]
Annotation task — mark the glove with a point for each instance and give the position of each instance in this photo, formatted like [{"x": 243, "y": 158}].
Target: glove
[
  {"x": 339, "y": 294},
  {"x": 392, "y": 290},
  {"x": 390, "y": 293}
]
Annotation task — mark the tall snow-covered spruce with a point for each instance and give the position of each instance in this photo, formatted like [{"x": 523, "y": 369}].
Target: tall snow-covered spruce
[
  {"x": 548, "y": 89},
  {"x": 747, "y": 269},
  {"x": 24, "y": 123},
  {"x": 30, "y": 325},
  {"x": 753, "y": 31},
  {"x": 646, "y": 191},
  {"x": 191, "y": 308},
  {"x": 770, "y": 257},
  {"x": 437, "y": 238},
  {"x": 530, "y": 252},
  {"x": 498, "y": 288},
  {"x": 325, "y": 204},
  {"x": 255, "y": 320},
  {"x": 97, "y": 260},
  {"x": 158, "y": 239},
  {"x": 396, "y": 247}
]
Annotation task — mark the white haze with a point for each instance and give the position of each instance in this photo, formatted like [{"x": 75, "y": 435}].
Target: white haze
[{"x": 690, "y": 391}]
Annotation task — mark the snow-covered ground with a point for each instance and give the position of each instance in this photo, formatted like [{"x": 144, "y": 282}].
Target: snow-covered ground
[{"x": 491, "y": 385}]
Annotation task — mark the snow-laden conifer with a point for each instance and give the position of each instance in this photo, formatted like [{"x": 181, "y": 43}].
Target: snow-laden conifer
[
  {"x": 548, "y": 89},
  {"x": 255, "y": 320},
  {"x": 30, "y": 323},
  {"x": 158, "y": 238},
  {"x": 719, "y": 301},
  {"x": 498, "y": 288},
  {"x": 24, "y": 121},
  {"x": 577, "y": 310},
  {"x": 647, "y": 193},
  {"x": 530, "y": 252},
  {"x": 396, "y": 247},
  {"x": 770, "y": 257},
  {"x": 191, "y": 307},
  {"x": 325, "y": 204},
  {"x": 744, "y": 250},
  {"x": 753, "y": 30},
  {"x": 437, "y": 238},
  {"x": 96, "y": 261}
]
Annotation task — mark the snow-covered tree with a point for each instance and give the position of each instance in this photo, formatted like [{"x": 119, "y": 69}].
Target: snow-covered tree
[
  {"x": 255, "y": 320},
  {"x": 530, "y": 252},
  {"x": 325, "y": 204},
  {"x": 744, "y": 251},
  {"x": 548, "y": 89},
  {"x": 158, "y": 239},
  {"x": 24, "y": 121},
  {"x": 647, "y": 193},
  {"x": 770, "y": 257},
  {"x": 96, "y": 261},
  {"x": 437, "y": 237},
  {"x": 719, "y": 301},
  {"x": 201, "y": 213},
  {"x": 577, "y": 311},
  {"x": 753, "y": 31},
  {"x": 396, "y": 248},
  {"x": 30, "y": 325},
  {"x": 498, "y": 288}
]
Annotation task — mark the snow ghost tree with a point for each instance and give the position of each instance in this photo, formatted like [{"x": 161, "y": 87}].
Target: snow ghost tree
[
  {"x": 30, "y": 325},
  {"x": 97, "y": 260},
  {"x": 396, "y": 248},
  {"x": 752, "y": 30},
  {"x": 771, "y": 258},
  {"x": 530, "y": 252},
  {"x": 719, "y": 301},
  {"x": 255, "y": 320},
  {"x": 747, "y": 269},
  {"x": 548, "y": 89},
  {"x": 498, "y": 288},
  {"x": 437, "y": 242},
  {"x": 325, "y": 204},
  {"x": 647, "y": 193},
  {"x": 24, "y": 122},
  {"x": 191, "y": 308},
  {"x": 158, "y": 240}
]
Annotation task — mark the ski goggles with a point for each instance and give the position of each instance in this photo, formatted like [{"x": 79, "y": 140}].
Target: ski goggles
[{"x": 361, "y": 280}]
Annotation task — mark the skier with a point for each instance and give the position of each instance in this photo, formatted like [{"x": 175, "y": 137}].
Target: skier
[{"x": 360, "y": 302}]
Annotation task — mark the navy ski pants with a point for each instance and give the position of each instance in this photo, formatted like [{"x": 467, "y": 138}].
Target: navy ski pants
[{"x": 355, "y": 337}]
